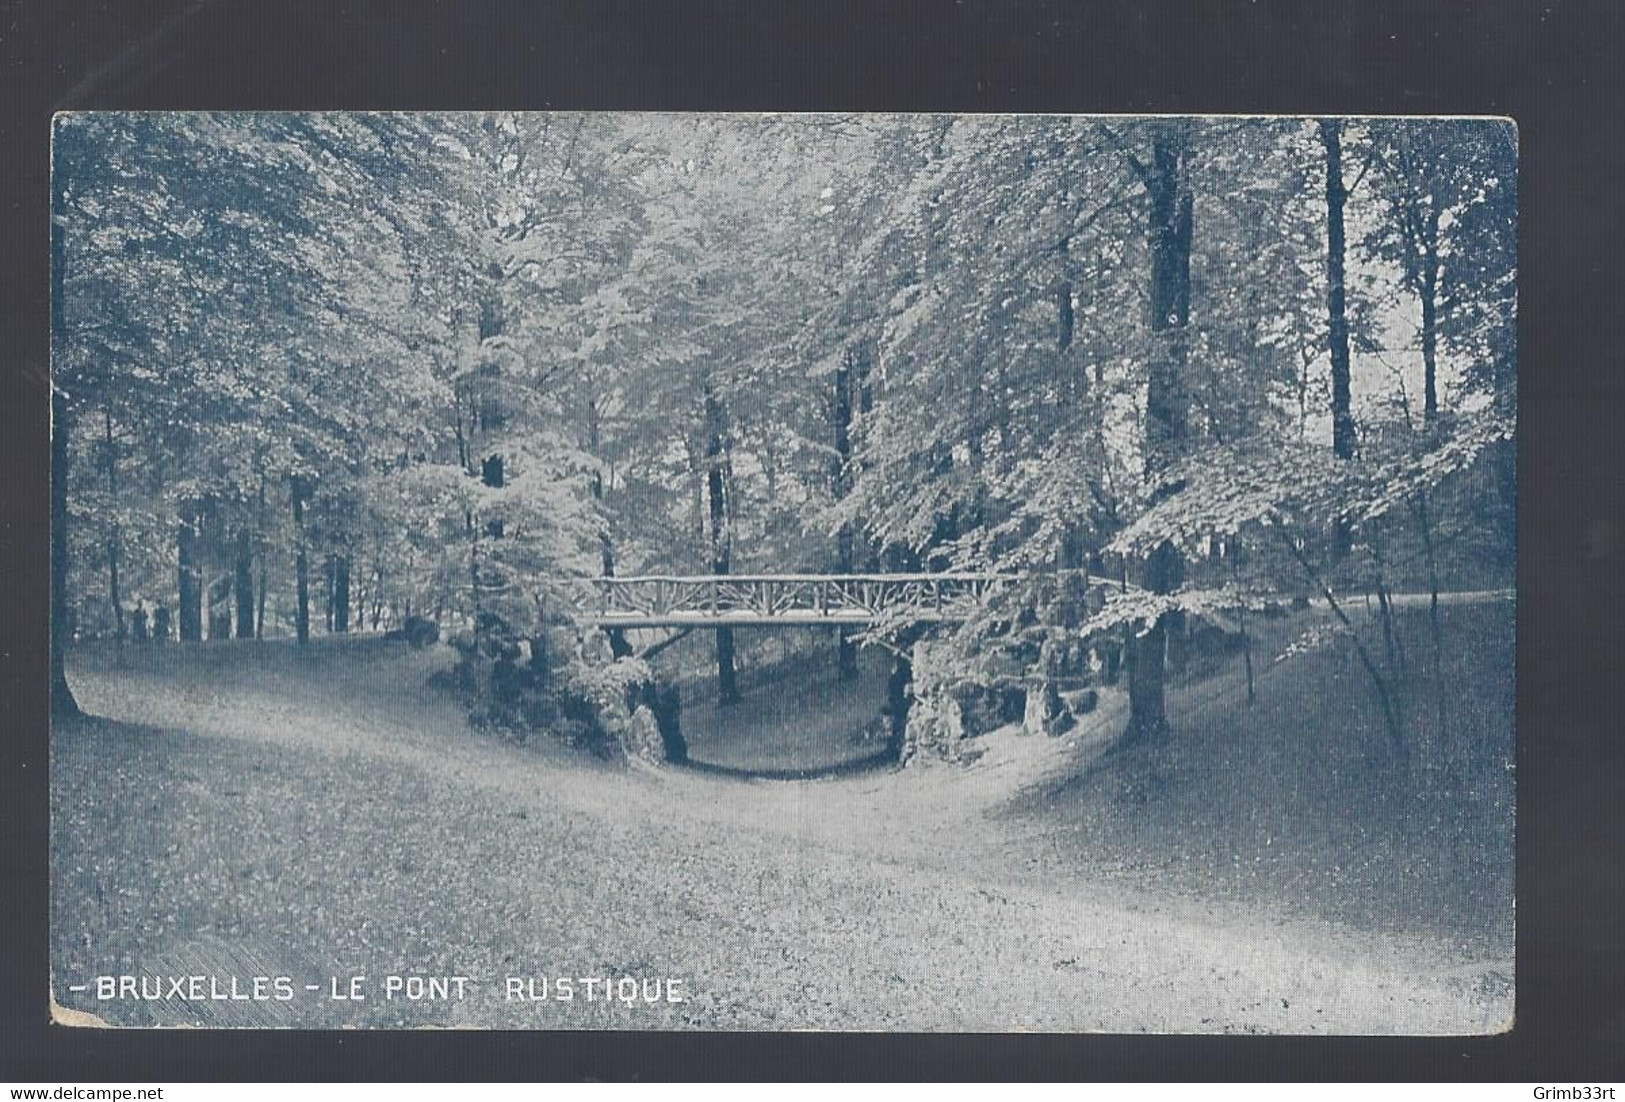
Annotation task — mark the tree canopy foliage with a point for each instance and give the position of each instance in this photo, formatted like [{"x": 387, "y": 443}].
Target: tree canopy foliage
[{"x": 442, "y": 364}]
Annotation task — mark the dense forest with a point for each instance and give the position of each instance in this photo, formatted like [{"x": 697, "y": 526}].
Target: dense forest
[{"x": 326, "y": 374}]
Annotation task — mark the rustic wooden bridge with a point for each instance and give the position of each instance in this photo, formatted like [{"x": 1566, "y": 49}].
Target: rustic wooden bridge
[{"x": 809, "y": 600}]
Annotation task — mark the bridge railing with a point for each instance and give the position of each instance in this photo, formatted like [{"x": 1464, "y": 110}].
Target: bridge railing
[
  {"x": 789, "y": 598},
  {"x": 671, "y": 600}
]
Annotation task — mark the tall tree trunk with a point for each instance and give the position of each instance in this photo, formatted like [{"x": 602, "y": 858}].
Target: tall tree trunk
[
  {"x": 62, "y": 701},
  {"x": 457, "y": 422},
  {"x": 1066, "y": 317},
  {"x": 1430, "y": 315},
  {"x": 1503, "y": 460},
  {"x": 696, "y": 489},
  {"x": 189, "y": 577},
  {"x": 1074, "y": 382},
  {"x": 491, "y": 475},
  {"x": 259, "y": 548},
  {"x": 301, "y": 565},
  {"x": 865, "y": 553},
  {"x": 862, "y": 385},
  {"x": 1337, "y": 326},
  {"x": 113, "y": 595},
  {"x": 1073, "y": 552},
  {"x": 840, "y": 486},
  {"x": 1247, "y": 656},
  {"x": 618, "y": 646},
  {"x": 721, "y": 536},
  {"x": 1167, "y": 403},
  {"x": 243, "y": 582},
  {"x": 341, "y": 594},
  {"x": 1441, "y": 717},
  {"x": 328, "y": 587},
  {"x": 259, "y": 611},
  {"x": 1166, "y": 408},
  {"x": 1164, "y": 572}
]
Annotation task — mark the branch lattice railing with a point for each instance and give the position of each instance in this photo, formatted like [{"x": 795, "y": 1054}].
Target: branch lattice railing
[{"x": 748, "y": 600}]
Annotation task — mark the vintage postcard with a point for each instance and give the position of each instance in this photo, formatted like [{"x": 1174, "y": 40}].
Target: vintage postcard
[{"x": 777, "y": 572}]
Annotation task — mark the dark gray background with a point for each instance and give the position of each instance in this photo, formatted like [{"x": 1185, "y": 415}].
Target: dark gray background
[{"x": 1554, "y": 68}]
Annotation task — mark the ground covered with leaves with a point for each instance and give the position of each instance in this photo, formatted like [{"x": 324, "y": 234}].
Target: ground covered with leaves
[{"x": 245, "y": 809}]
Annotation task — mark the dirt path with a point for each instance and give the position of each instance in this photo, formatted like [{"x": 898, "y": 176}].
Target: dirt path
[
  {"x": 807, "y": 723},
  {"x": 308, "y": 820}
]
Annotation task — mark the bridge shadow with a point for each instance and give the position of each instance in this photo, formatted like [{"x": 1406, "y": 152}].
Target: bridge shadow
[
  {"x": 880, "y": 759},
  {"x": 804, "y": 723}
]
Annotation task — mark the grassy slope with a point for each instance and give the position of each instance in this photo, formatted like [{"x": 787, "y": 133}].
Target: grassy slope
[
  {"x": 1294, "y": 801},
  {"x": 244, "y": 808}
]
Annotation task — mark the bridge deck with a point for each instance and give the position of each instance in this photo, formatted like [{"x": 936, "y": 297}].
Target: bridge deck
[{"x": 791, "y": 600}]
